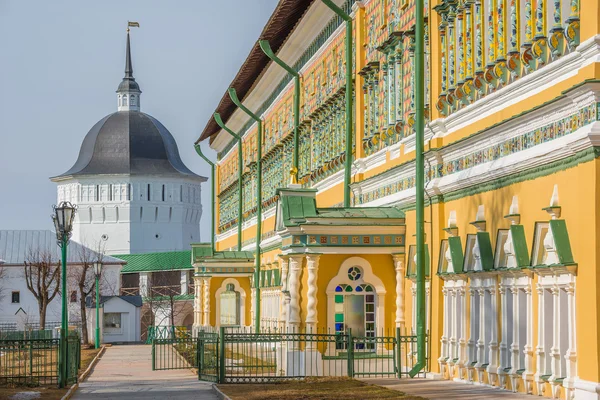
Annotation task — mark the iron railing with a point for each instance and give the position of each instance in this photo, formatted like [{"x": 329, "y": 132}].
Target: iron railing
[
  {"x": 165, "y": 332},
  {"x": 34, "y": 361},
  {"x": 238, "y": 355}
]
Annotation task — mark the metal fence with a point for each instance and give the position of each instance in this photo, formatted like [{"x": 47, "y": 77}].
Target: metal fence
[
  {"x": 34, "y": 361},
  {"x": 238, "y": 355},
  {"x": 165, "y": 332}
]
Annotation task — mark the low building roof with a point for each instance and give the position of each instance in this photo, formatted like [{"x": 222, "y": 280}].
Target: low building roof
[
  {"x": 17, "y": 246},
  {"x": 136, "y": 301},
  {"x": 164, "y": 261}
]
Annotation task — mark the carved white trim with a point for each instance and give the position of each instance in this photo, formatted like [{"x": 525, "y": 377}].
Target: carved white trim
[{"x": 242, "y": 309}]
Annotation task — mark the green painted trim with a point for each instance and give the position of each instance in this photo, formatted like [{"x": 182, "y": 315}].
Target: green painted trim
[
  {"x": 520, "y": 245},
  {"x": 561, "y": 240},
  {"x": 485, "y": 250},
  {"x": 456, "y": 254},
  {"x": 581, "y": 157}
]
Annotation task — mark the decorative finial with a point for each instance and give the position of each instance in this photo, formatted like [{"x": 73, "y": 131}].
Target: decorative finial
[
  {"x": 514, "y": 206},
  {"x": 452, "y": 229},
  {"x": 479, "y": 222},
  {"x": 513, "y": 212},
  {"x": 452, "y": 219},
  {"x": 293, "y": 176},
  {"x": 554, "y": 210},
  {"x": 554, "y": 199}
]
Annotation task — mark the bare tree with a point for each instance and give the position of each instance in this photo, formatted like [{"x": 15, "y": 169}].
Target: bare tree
[
  {"x": 165, "y": 299},
  {"x": 42, "y": 276},
  {"x": 83, "y": 279},
  {"x": 3, "y": 276}
]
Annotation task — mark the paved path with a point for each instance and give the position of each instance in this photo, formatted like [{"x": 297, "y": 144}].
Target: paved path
[
  {"x": 125, "y": 372},
  {"x": 447, "y": 390}
]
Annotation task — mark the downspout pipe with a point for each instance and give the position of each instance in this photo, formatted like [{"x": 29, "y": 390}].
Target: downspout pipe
[
  {"x": 219, "y": 122},
  {"x": 212, "y": 195},
  {"x": 266, "y": 48},
  {"x": 237, "y": 102},
  {"x": 349, "y": 123},
  {"x": 420, "y": 184}
]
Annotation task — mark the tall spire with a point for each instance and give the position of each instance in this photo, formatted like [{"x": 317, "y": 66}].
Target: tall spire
[
  {"x": 128, "y": 65},
  {"x": 128, "y": 93}
]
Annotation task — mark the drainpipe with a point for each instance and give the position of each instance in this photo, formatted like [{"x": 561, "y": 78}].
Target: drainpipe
[
  {"x": 219, "y": 122},
  {"x": 349, "y": 125},
  {"x": 237, "y": 102},
  {"x": 420, "y": 184},
  {"x": 266, "y": 48},
  {"x": 212, "y": 194}
]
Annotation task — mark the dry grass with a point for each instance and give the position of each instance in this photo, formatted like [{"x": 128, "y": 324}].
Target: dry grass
[
  {"x": 50, "y": 392},
  {"x": 313, "y": 389}
]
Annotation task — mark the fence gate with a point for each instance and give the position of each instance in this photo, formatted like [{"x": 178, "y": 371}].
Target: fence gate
[
  {"x": 207, "y": 354},
  {"x": 174, "y": 353}
]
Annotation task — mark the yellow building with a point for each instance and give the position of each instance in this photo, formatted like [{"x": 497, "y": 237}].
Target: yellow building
[{"x": 512, "y": 104}]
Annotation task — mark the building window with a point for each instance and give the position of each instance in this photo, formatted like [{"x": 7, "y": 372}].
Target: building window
[
  {"x": 148, "y": 193},
  {"x": 230, "y": 306},
  {"x": 16, "y": 297},
  {"x": 97, "y": 192},
  {"x": 129, "y": 191},
  {"x": 110, "y": 192},
  {"x": 112, "y": 322},
  {"x": 124, "y": 102},
  {"x": 132, "y": 100},
  {"x": 73, "y": 298},
  {"x": 163, "y": 192}
]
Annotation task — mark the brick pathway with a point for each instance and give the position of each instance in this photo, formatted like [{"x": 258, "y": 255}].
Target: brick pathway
[{"x": 125, "y": 372}]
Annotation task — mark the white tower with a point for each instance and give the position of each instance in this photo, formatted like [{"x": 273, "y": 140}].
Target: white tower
[{"x": 133, "y": 191}]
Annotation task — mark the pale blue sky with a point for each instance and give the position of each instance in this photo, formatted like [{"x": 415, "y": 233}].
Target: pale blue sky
[{"x": 62, "y": 60}]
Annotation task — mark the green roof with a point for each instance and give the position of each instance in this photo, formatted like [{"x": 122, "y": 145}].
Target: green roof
[
  {"x": 147, "y": 262},
  {"x": 360, "y": 212},
  {"x": 203, "y": 251}
]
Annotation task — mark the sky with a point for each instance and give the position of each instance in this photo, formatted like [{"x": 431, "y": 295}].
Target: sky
[{"x": 62, "y": 60}]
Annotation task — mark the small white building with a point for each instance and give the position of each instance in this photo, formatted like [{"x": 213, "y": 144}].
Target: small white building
[
  {"x": 119, "y": 318},
  {"x": 18, "y": 305}
]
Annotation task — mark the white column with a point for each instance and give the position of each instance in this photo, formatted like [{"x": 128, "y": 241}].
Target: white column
[
  {"x": 492, "y": 368},
  {"x": 294, "y": 289},
  {"x": 528, "y": 347},
  {"x": 445, "y": 331},
  {"x": 482, "y": 329},
  {"x": 312, "y": 266},
  {"x": 252, "y": 306},
  {"x": 143, "y": 283},
  {"x": 184, "y": 281},
  {"x": 504, "y": 321},
  {"x": 462, "y": 340},
  {"x": 571, "y": 354},
  {"x": 472, "y": 339},
  {"x": 556, "y": 326},
  {"x": 399, "y": 268},
  {"x": 197, "y": 301},
  {"x": 515, "y": 346},
  {"x": 206, "y": 305},
  {"x": 284, "y": 272},
  {"x": 454, "y": 332},
  {"x": 539, "y": 350}
]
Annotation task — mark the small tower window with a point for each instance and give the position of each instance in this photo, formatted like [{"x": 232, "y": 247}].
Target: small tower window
[
  {"x": 163, "y": 192},
  {"x": 148, "y": 192},
  {"x": 124, "y": 102},
  {"x": 132, "y": 100}
]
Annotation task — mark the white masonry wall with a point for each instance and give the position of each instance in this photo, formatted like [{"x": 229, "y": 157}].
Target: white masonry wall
[{"x": 134, "y": 214}]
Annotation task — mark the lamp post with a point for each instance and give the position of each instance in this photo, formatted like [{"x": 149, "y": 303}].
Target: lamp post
[
  {"x": 97, "y": 272},
  {"x": 63, "y": 217}
]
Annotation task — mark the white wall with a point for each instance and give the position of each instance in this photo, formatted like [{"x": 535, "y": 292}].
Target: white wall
[
  {"x": 132, "y": 223},
  {"x": 14, "y": 280}
]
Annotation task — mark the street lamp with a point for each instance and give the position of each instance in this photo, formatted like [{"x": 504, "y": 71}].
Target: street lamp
[
  {"x": 63, "y": 217},
  {"x": 97, "y": 272}
]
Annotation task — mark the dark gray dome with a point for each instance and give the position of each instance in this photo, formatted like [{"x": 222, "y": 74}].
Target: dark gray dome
[
  {"x": 128, "y": 85},
  {"x": 129, "y": 142}
]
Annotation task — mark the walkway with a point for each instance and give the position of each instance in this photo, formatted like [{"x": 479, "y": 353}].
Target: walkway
[
  {"x": 125, "y": 372},
  {"x": 447, "y": 390}
]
